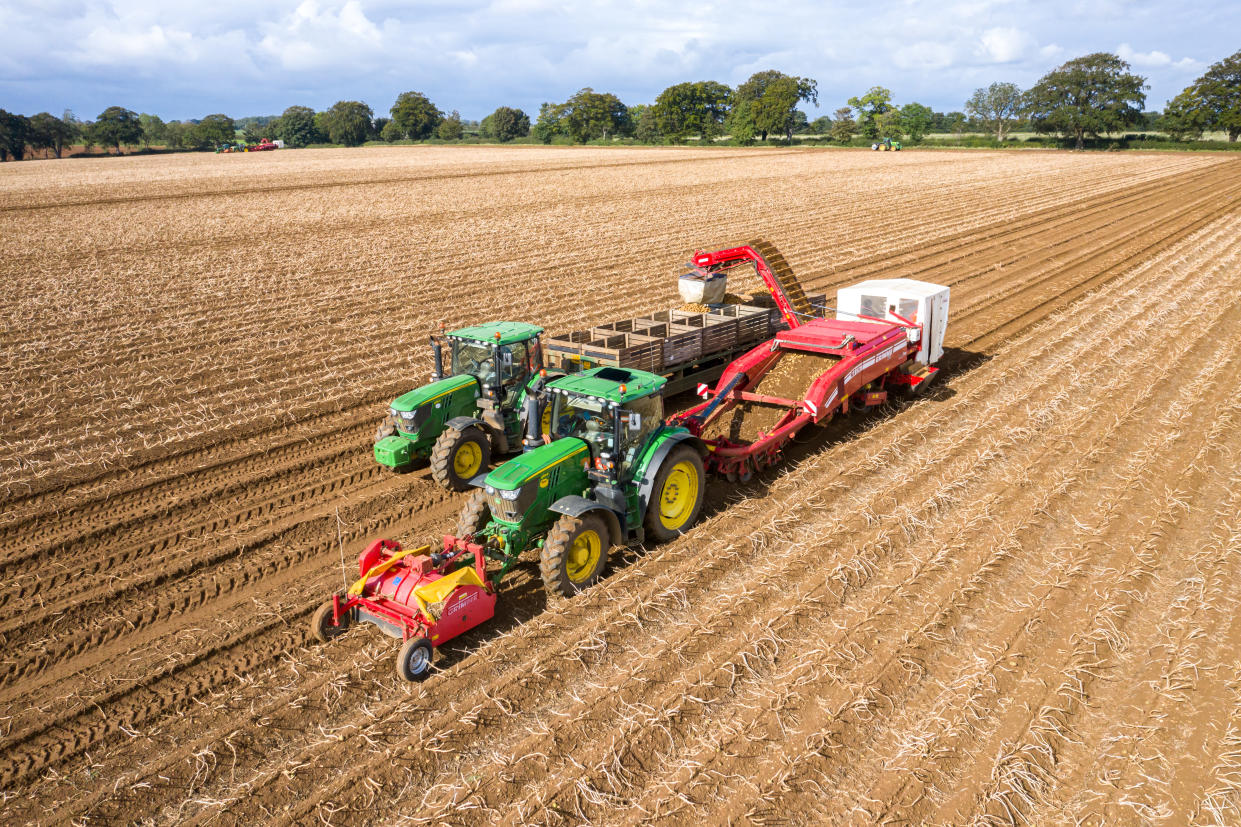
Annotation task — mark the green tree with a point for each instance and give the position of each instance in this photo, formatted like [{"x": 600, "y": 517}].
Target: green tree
[
  {"x": 890, "y": 124},
  {"x": 1183, "y": 117},
  {"x": 645, "y": 126},
  {"x": 843, "y": 125},
  {"x": 50, "y": 132},
  {"x": 550, "y": 123},
  {"x": 450, "y": 128},
  {"x": 821, "y": 125},
  {"x": 179, "y": 135},
  {"x": 696, "y": 108},
  {"x": 1088, "y": 95},
  {"x": 296, "y": 127},
  {"x": 591, "y": 115},
  {"x": 154, "y": 131},
  {"x": 1214, "y": 100},
  {"x": 998, "y": 106},
  {"x": 214, "y": 130},
  {"x": 765, "y": 104},
  {"x": 348, "y": 122},
  {"x": 740, "y": 123},
  {"x": 14, "y": 134},
  {"x": 877, "y": 101},
  {"x": 117, "y": 125},
  {"x": 417, "y": 117},
  {"x": 916, "y": 121},
  {"x": 505, "y": 124},
  {"x": 391, "y": 132}
]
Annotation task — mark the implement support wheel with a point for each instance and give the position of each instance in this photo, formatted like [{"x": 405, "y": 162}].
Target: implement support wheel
[
  {"x": 458, "y": 456},
  {"x": 574, "y": 554},
  {"x": 676, "y": 499},
  {"x": 413, "y": 662},
  {"x": 321, "y": 626}
]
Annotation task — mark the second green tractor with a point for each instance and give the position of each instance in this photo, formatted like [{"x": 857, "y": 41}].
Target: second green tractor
[{"x": 601, "y": 469}]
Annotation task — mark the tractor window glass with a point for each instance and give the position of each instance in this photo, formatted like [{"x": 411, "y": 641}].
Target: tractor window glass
[
  {"x": 639, "y": 419},
  {"x": 514, "y": 362},
  {"x": 875, "y": 306},
  {"x": 585, "y": 418},
  {"x": 473, "y": 359}
]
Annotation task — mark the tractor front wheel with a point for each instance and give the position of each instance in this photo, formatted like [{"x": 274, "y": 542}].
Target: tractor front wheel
[
  {"x": 321, "y": 626},
  {"x": 574, "y": 554},
  {"x": 474, "y": 516},
  {"x": 458, "y": 457},
  {"x": 413, "y": 662},
  {"x": 676, "y": 499}
]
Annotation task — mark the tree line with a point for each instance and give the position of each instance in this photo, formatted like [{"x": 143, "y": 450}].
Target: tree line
[{"x": 1085, "y": 97}]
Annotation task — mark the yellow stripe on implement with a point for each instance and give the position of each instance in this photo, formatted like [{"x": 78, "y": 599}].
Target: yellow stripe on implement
[{"x": 379, "y": 568}]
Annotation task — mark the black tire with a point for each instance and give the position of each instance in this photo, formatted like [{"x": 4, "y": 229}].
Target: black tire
[
  {"x": 659, "y": 523},
  {"x": 413, "y": 662},
  {"x": 447, "y": 467},
  {"x": 321, "y": 626},
  {"x": 386, "y": 429},
  {"x": 564, "y": 571},
  {"x": 475, "y": 515}
]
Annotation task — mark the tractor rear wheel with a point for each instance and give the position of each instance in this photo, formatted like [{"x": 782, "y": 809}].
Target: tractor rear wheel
[
  {"x": 413, "y": 662},
  {"x": 458, "y": 457},
  {"x": 574, "y": 554},
  {"x": 321, "y": 625},
  {"x": 474, "y": 516},
  {"x": 676, "y": 499}
]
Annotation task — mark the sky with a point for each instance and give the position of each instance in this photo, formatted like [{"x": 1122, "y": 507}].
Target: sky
[{"x": 257, "y": 57}]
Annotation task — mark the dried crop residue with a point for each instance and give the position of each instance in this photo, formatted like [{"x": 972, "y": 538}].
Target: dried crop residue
[
  {"x": 1013, "y": 602},
  {"x": 790, "y": 378}
]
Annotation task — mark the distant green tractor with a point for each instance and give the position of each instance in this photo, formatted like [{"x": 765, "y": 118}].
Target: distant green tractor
[
  {"x": 474, "y": 407},
  {"x": 611, "y": 473},
  {"x": 886, "y": 144}
]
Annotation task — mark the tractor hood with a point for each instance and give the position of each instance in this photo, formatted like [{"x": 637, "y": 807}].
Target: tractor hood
[
  {"x": 432, "y": 392},
  {"x": 521, "y": 469}
]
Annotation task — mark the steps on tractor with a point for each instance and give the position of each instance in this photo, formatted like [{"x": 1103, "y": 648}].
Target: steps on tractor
[{"x": 784, "y": 276}]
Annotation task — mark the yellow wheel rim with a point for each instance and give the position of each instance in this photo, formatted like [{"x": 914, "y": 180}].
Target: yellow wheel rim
[
  {"x": 680, "y": 495},
  {"x": 583, "y": 556},
  {"x": 467, "y": 460}
]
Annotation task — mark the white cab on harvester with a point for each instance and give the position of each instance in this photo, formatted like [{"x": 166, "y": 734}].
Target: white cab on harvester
[{"x": 900, "y": 300}]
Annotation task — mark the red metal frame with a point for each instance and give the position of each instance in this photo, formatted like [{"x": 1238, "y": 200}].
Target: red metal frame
[
  {"x": 867, "y": 352},
  {"x": 734, "y": 257}
]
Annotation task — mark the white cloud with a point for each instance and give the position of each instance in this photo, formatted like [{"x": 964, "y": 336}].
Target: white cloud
[
  {"x": 116, "y": 45},
  {"x": 1149, "y": 59},
  {"x": 1005, "y": 44},
  {"x": 312, "y": 38},
  {"x": 925, "y": 54}
]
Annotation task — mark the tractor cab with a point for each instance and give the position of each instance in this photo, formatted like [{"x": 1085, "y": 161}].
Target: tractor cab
[
  {"x": 612, "y": 410},
  {"x": 501, "y": 355}
]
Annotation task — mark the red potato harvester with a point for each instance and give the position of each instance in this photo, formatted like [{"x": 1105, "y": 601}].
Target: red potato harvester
[
  {"x": 887, "y": 336},
  {"x": 425, "y": 600}
]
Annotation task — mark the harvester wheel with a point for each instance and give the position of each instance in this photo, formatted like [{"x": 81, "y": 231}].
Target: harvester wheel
[
  {"x": 321, "y": 626},
  {"x": 676, "y": 498},
  {"x": 413, "y": 662},
  {"x": 474, "y": 516},
  {"x": 574, "y": 554},
  {"x": 458, "y": 456}
]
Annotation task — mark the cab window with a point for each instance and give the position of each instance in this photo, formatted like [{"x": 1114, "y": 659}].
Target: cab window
[
  {"x": 584, "y": 418},
  {"x": 639, "y": 419}
]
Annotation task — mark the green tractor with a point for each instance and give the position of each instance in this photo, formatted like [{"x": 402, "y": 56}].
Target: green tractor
[
  {"x": 886, "y": 145},
  {"x": 473, "y": 408},
  {"x": 607, "y": 471}
]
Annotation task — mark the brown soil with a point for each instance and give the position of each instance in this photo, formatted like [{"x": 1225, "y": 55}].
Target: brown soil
[
  {"x": 1011, "y": 601},
  {"x": 790, "y": 378}
]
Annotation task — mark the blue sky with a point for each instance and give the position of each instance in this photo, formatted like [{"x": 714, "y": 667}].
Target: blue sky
[{"x": 251, "y": 57}]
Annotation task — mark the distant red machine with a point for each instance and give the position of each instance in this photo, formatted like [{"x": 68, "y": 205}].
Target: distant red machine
[{"x": 263, "y": 146}]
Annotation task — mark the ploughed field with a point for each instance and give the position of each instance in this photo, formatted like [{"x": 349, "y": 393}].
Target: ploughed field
[{"x": 1013, "y": 600}]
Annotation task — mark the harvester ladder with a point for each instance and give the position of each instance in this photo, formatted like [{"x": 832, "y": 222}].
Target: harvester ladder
[{"x": 782, "y": 281}]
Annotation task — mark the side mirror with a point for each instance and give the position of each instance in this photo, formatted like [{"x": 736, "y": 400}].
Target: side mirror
[{"x": 635, "y": 421}]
